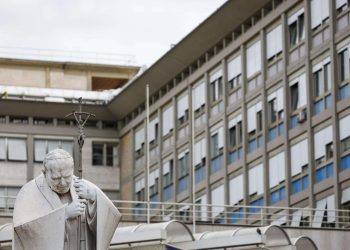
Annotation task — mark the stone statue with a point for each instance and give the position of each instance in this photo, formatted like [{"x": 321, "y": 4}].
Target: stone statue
[{"x": 47, "y": 209}]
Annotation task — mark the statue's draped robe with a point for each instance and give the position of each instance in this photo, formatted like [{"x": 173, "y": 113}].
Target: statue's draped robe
[{"x": 39, "y": 220}]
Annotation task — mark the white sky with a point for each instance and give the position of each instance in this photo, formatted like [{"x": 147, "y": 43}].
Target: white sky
[{"x": 143, "y": 28}]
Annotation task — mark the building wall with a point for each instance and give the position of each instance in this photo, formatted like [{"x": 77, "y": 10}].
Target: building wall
[
  {"x": 68, "y": 79},
  {"x": 43, "y": 74},
  {"x": 22, "y": 76},
  {"x": 105, "y": 177},
  {"x": 261, "y": 146}
]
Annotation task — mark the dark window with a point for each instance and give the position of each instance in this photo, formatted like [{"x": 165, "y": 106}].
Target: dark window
[
  {"x": 104, "y": 154},
  {"x": 97, "y": 154},
  {"x": 294, "y": 96}
]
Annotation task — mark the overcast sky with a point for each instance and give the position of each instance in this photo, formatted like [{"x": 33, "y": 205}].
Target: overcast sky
[{"x": 142, "y": 28}]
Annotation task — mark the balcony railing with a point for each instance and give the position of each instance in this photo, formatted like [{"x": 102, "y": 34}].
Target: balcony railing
[
  {"x": 139, "y": 211},
  {"x": 234, "y": 215},
  {"x": 67, "y": 56}
]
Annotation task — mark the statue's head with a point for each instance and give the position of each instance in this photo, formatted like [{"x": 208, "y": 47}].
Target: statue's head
[{"x": 58, "y": 170}]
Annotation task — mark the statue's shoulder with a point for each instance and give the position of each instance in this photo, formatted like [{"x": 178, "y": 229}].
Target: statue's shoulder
[{"x": 30, "y": 187}]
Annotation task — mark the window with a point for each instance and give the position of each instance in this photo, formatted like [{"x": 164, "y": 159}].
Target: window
[
  {"x": 234, "y": 72},
  {"x": 319, "y": 12},
  {"x": 18, "y": 120},
  {"x": 13, "y": 149},
  {"x": 198, "y": 97},
  {"x": 237, "y": 215},
  {"x": 140, "y": 196},
  {"x": 341, "y": 4},
  {"x": 324, "y": 212},
  {"x": 253, "y": 59},
  {"x": 298, "y": 100},
  {"x": 153, "y": 132},
  {"x": 217, "y": 200},
  {"x": 153, "y": 183},
  {"x": 167, "y": 120},
  {"x": 300, "y": 184},
  {"x": 278, "y": 195},
  {"x": 139, "y": 142},
  {"x": 299, "y": 166},
  {"x": 256, "y": 205},
  {"x": 182, "y": 109},
  {"x": 322, "y": 86},
  {"x": 296, "y": 28},
  {"x": 298, "y": 92},
  {"x": 199, "y": 160},
  {"x": 276, "y": 170},
  {"x": 274, "y": 42},
  {"x": 42, "y": 121},
  {"x": 343, "y": 58},
  {"x": 256, "y": 180},
  {"x": 235, "y": 138},
  {"x": 43, "y": 146},
  {"x": 168, "y": 171},
  {"x": 275, "y": 114},
  {"x": 344, "y": 132},
  {"x": 183, "y": 172},
  {"x": 105, "y": 154},
  {"x": 323, "y": 140},
  {"x": 215, "y": 80},
  {"x": 343, "y": 73},
  {"x": 216, "y": 152},
  {"x": 299, "y": 156},
  {"x": 8, "y": 197},
  {"x": 255, "y": 126},
  {"x": 236, "y": 189}
]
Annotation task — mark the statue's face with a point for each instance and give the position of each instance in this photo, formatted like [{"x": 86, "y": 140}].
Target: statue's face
[{"x": 59, "y": 175}]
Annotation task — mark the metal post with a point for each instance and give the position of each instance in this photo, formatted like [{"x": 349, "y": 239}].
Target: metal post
[
  {"x": 193, "y": 177},
  {"x": 147, "y": 155}
]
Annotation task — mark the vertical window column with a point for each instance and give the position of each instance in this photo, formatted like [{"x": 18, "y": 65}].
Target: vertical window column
[
  {"x": 343, "y": 72},
  {"x": 274, "y": 51},
  {"x": 275, "y": 114},
  {"x": 183, "y": 171},
  {"x": 256, "y": 187},
  {"x": 298, "y": 100},
  {"x": 255, "y": 136},
  {"x": 323, "y": 141},
  {"x": 199, "y": 160},
  {"x": 168, "y": 186},
  {"x": 344, "y": 133},
  {"x": 322, "y": 85},
  {"x": 253, "y": 55},
  {"x": 216, "y": 91},
  {"x": 277, "y": 175},
  {"x": 235, "y": 133},
  {"x": 217, "y": 145},
  {"x": 299, "y": 166}
]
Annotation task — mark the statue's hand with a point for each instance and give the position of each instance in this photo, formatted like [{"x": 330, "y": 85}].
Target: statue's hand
[
  {"x": 84, "y": 190},
  {"x": 76, "y": 208}
]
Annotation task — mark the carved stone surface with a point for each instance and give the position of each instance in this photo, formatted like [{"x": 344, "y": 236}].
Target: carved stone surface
[{"x": 47, "y": 210}]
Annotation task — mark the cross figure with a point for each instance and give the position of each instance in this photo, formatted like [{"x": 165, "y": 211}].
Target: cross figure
[{"x": 81, "y": 118}]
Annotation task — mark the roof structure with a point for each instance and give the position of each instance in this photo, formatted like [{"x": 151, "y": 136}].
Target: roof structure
[
  {"x": 228, "y": 17},
  {"x": 176, "y": 235}
]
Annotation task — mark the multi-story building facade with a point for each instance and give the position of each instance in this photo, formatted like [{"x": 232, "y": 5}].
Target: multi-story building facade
[
  {"x": 251, "y": 108},
  {"x": 36, "y": 96}
]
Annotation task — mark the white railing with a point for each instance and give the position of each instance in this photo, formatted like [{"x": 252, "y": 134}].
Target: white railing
[
  {"x": 213, "y": 214},
  {"x": 67, "y": 56},
  {"x": 234, "y": 215},
  {"x": 7, "y": 204}
]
